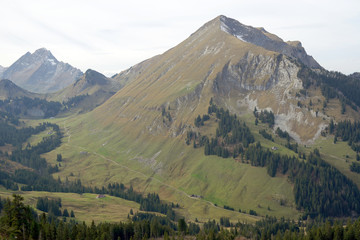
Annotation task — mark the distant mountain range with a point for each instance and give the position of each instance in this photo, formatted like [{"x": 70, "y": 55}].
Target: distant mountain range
[
  {"x": 89, "y": 91},
  {"x": 40, "y": 72}
]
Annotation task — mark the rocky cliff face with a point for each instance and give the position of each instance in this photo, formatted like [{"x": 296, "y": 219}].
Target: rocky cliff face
[
  {"x": 262, "y": 38},
  {"x": 41, "y": 72}
]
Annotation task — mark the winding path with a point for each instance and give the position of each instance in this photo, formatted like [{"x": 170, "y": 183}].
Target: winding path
[{"x": 67, "y": 132}]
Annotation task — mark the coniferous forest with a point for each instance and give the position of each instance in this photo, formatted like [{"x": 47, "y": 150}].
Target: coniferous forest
[
  {"x": 333, "y": 85},
  {"x": 319, "y": 188},
  {"x": 348, "y": 132},
  {"x": 19, "y": 221},
  {"x": 21, "y": 105}
]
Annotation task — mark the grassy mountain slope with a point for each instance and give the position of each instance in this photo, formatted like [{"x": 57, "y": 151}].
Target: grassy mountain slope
[
  {"x": 137, "y": 136},
  {"x": 85, "y": 206},
  {"x": 135, "y": 161}
]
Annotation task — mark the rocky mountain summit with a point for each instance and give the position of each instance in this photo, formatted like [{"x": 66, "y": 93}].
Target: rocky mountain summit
[
  {"x": 41, "y": 72},
  {"x": 260, "y": 37}
]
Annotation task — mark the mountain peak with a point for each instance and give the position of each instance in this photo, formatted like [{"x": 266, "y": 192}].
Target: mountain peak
[
  {"x": 94, "y": 77},
  {"x": 42, "y": 51},
  {"x": 261, "y": 37},
  {"x": 235, "y": 28},
  {"x": 41, "y": 72},
  {"x": 89, "y": 79},
  {"x": 43, "y": 54}
]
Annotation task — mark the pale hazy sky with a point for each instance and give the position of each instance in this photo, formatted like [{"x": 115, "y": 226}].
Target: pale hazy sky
[{"x": 110, "y": 36}]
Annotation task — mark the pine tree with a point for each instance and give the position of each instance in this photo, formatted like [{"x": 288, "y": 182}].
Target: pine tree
[
  {"x": 331, "y": 126},
  {"x": 65, "y": 213},
  {"x": 59, "y": 158},
  {"x": 16, "y": 219},
  {"x": 182, "y": 225}
]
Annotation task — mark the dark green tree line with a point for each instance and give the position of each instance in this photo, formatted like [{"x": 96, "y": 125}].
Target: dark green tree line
[{"x": 19, "y": 221}]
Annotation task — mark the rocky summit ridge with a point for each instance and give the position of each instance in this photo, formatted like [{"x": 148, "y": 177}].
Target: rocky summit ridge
[{"x": 262, "y": 38}]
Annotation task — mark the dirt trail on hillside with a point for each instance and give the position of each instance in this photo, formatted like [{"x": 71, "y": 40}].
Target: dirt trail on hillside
[{"x": 68, "y": 134}]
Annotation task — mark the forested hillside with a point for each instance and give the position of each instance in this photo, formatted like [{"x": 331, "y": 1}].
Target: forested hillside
[{"x": 319, "y": 188}]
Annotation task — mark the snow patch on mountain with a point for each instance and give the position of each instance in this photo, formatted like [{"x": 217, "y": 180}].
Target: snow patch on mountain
[
  {"x": 227, "y": 29},
  {"x": 52, "y": 61}
]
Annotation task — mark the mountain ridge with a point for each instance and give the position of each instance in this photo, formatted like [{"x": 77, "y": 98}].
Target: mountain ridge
[
  {"x": 260, "y": 37},
  {"x": 91, "y": 90},
  {"x": 9, "y": 90},
  {"x": 41, "y": 72}
]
